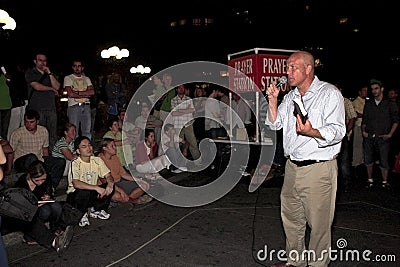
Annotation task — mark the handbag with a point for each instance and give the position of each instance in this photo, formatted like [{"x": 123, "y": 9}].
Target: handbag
[
  {"x": 19, "y": 203},
  {"x": 70, "y": 215}
]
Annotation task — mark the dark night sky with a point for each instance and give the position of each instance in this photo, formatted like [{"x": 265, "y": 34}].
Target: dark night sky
[{"x": 64, "y": 29}]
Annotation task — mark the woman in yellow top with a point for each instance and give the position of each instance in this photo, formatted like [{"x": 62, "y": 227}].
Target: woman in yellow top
[{"x": 115, "y": 134}]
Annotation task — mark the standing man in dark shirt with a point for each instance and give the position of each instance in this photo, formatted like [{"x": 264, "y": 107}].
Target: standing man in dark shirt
[
  {"x": 43, "y": 87},
  {"x": 379, "y": 123}
]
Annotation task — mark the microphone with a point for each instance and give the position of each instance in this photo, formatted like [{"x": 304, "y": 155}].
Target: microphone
[{"x": 282, "y": 81}]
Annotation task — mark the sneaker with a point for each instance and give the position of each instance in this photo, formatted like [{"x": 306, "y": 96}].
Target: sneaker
[
  {"x": 180, "y": 170},
  {"x": 385, "y": 184},
  {"x": 84, "y": 221},
  {"x": 99, "y": 214},
  {"x": 370, "y": 183},
  {"x": 144, "y": 199},
  {"x": 244, "y": 173},
  {"x": 62, "y": 241}
]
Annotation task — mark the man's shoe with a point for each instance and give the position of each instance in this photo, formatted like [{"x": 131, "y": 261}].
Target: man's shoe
[
  {"x": 99, "y": 214},
  {"x": 283, "y": 264},
  {"x": 370, "y": 183},
  {"x": 84, "y": 220},
  {"x": 62, "y": 241}
]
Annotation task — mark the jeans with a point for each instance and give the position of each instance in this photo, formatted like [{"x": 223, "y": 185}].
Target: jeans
[
  {"x": 3, "y": 252},
  {"x": 81, "y": 114},
  {"x": 55, "y": 169},
  {"x": 48, "y": 119},
  {"x": 50, "y": 212},
  {"x": 36, "y": 230},
  {"x": 344, "y": 162},
  {"x": 376, "y": 146}
]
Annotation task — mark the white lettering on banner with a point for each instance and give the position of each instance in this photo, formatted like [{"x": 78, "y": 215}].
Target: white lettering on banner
[
  {"x": 245, "y": 66},
  {"x": 243, "y": 84},
  {"x": 265, "y": 81},
  {"x": 274, "y": 65}
]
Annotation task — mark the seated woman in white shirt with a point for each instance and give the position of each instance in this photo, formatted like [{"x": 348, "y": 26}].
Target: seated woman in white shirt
[{"x": 147, "y": 159}]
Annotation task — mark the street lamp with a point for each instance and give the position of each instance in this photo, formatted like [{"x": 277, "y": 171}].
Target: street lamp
[
  {"x": 6, "y": 23},
  {"x": 140, "y": 69},
  {"x": 114, "y": 51}
]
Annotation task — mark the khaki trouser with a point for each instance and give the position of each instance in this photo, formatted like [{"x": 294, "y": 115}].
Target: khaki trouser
[{"x": 308, "y": 196}]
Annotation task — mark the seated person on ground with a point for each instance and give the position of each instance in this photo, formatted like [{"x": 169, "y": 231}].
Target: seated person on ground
[
  {"x": 31, "y": 142},
  {"x": 146, "y": 120},
  {"x": 83, "y": 191},
  {"x": 127, "y": 187},
  {"x": 147, "y": 159},
  {"x": 64, "y": 147},
  {"x": 36, "y": 232},
  {"x": 9, "y": 153},
  {"x": 171, "y": 145},
  {"x": 36, "y": 181},
  {"x": 115, "y": 133}
]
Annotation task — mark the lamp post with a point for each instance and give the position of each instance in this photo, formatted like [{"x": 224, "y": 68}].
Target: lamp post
[
  {"x": 114, "y": 58},
  {"x": 7, "y": 23},
  {"x": 115, "y": 53},
  {"x": 139, "y": 71}
]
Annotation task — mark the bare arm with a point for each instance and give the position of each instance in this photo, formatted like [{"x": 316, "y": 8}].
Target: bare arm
[
  {"x": 45, "y": 151},
  {"x": 41, "y": 87},
  {"x": 2, "y": 156},
  {"x": 180, "y": 112},
  {"x": 272, "y": 93},
  {"x": 68, "y": 154}
]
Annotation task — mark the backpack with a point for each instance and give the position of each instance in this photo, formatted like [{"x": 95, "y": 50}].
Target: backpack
[{"x": 19, "y": 203}]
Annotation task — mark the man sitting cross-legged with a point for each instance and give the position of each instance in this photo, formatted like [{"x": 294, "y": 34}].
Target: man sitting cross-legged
[{"x": 83, "y": 189}]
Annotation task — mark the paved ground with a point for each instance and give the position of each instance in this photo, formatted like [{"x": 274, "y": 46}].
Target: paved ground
[{"x": 228, "y": 232}]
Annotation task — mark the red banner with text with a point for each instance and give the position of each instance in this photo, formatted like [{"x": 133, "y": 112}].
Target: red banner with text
[{"x": 257, "y": 70}]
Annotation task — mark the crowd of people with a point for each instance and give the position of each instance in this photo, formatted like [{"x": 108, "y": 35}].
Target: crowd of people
[{"x": 338, "y": 137}]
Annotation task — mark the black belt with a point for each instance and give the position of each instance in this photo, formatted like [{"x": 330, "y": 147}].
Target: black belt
[{"x": 302, "y": 163}]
